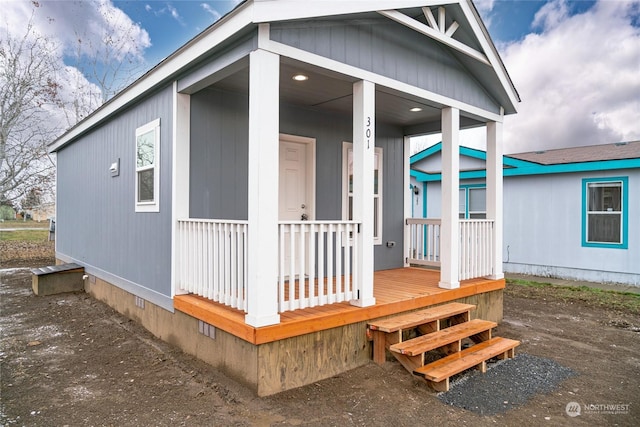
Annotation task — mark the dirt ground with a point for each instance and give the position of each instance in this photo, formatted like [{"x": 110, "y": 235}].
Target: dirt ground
[{"x": 69, "y": 360}]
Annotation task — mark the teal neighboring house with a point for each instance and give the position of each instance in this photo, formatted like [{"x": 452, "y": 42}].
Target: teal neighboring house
[{"x": 571, "y": 213}]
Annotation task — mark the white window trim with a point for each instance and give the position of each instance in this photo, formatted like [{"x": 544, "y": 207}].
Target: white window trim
[
  {"x": 465, "y": 197},
  {"x": 605, "y": 182},
  {"x": 346, "y": 146},
  {"x": 152, "y": 206}
]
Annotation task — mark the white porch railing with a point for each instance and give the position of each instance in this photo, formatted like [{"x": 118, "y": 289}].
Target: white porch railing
[
  {"x": 476, "y": 248},
  {"x": 212, "y": 258},
  {"x": 316, "y": 263},
  {"x": 475, "y": 251},
  {"x": 424, "y": 241}
]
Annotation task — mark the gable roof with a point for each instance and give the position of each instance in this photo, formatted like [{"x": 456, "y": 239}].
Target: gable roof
[
  {"x": 621, "y": 155},
  {"x": 591, "y": 153},
  {"x": 468, "y": 42}
]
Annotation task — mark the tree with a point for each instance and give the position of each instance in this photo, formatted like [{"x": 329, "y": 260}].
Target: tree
[
  {"x": 41, "y": 96},
  {"x": 115, "y": 58},
  {"x": 28, "y": 92}
]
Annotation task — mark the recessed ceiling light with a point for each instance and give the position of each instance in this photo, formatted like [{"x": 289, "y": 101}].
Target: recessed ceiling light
[
  {"x": 415, "y": 109},
  {"x": 300, "y": 77}
]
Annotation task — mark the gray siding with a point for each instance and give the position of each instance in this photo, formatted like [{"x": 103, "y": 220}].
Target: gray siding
[
  {"x": 219, "y": 163},
  {"x": 219, "y": 155},
  {"x": 389, "y": 49},
  {"x": 96, "y": 220}
]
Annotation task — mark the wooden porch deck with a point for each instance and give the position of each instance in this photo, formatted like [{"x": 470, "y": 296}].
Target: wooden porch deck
[{"x": 395, "y": 291}]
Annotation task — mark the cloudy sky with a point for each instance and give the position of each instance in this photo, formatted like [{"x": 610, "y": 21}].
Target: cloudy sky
[{"x": 575, "y": 63}]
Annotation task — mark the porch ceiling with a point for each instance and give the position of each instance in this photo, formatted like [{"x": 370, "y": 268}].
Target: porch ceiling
[{"x": 330, "y": 91}]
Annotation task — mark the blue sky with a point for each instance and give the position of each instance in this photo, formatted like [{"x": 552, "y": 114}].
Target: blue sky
[
  {"x": 171, "y": 24},
  {"x": 511, "y": 20},
  {"x": 575, "y": 63}
]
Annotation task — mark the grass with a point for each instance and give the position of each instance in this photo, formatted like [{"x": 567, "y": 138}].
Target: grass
[
  {"x": 612, "y": 300},
  {"x": 24, "y": 224},
  {"x": 36, "y": 235}
]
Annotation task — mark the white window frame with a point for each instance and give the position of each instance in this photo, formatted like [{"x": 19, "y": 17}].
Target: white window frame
[
  {"x": 588, "y": 184},
  {"x": 464, "y": 212},
  {"x": 153, "y": 205},
  {"x": 346, "y": 148}
]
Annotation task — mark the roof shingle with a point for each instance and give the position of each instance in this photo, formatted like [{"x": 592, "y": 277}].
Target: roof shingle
[{"x": 590, "y": 153}]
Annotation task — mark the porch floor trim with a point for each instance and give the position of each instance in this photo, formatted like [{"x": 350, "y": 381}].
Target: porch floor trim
[{"x": 395, "y": 291}]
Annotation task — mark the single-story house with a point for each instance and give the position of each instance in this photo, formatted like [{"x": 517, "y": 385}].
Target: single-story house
[
  {"x": 571, "y": 213},
  {"x": 247, "y": 199}
]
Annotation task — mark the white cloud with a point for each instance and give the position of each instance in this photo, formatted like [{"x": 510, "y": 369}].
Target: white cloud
[
  {"x": 216, "y": 15},
  {"x": 579, "y": 79},
  {"x": 167, "y": 10},
  {"x": 91, "y": 22},
  {"x": 484, "y": 6},
  {"x": 175, "y": 15},
  {"x": 551, "y": 15},
  {"x": 85, "y": 35}
]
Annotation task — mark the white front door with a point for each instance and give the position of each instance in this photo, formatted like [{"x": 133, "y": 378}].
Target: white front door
[
  {"x": 296, "y": 199},
  {"x": 293, "y": 181}
]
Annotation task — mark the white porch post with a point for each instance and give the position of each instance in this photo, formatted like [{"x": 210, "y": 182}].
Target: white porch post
[
  {"x": 495, "y": 193},
  {"x": 364, "y": 120},
  {"x": 179, "y": 176},
  {"x": 264, "y": 119},
  {"x": 407, "y": 196},
  {"x": 449, "y": 230}
]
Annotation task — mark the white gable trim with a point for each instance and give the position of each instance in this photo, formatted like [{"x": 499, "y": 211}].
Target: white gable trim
[
  {"x": 267, "y": 11},
  {"x": 490, "y": 51},
  {"x": 349, "y": 70},
  {"x": 436, "y": 35}
]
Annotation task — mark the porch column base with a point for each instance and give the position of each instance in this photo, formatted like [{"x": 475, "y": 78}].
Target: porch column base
[
  {"x": 496, "y": 276},
  {"x": 447, "y": 285},
  {"x": 363, "y": 302},
  {"x": 258, "y": 322}
]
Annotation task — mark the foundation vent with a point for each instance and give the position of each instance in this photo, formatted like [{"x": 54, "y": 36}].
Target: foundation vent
[
  {"x": 139, "y": 302},
  {"x": 207, "y": 329}
]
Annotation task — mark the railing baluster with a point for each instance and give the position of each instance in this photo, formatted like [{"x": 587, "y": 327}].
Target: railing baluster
[
  {"x": 338, "y": 252},
  {"x": 281, "y": 271},
  {"x": 330, "y": 275},
  {"x": 322, "y": 300},
  {"x": 302, "y": 294},
  {"x": 312, "y": 265}
]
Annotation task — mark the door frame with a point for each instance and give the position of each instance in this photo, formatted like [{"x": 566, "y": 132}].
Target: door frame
[{"x": 310, "y": 166}]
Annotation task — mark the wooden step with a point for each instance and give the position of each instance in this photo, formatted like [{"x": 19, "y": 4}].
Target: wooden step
[
  {"x": 477, "y": 328},
  {"x": 60, "y": 268},
  {"x": 437, "y": 373},
  {"x": 386, "y": 332},
  {"x": 420, "y": 317}
]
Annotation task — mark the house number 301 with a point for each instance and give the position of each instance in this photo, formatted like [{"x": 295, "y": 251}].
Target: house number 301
[{"x": 367, "y": 132}]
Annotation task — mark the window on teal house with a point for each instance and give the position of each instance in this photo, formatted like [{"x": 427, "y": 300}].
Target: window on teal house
[
  {"x": 473, "y": 202},
  {"x": 604, "y": 218}
]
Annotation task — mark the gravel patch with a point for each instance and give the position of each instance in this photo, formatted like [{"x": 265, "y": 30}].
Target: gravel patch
[{"x": 506, "y": 385}]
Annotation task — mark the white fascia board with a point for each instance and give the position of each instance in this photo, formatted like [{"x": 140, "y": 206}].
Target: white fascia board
[
  {"x": 182, "y": 58},
  {"x": 490, "y": 51},
  {"x": 282, "y": 10},
  {"x": 349, "y": 70}
]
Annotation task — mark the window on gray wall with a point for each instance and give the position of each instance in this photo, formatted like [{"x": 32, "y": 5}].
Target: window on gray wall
[
  {"x": 148, "y": 167},
  {"x": 347, "y": 189}
]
